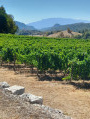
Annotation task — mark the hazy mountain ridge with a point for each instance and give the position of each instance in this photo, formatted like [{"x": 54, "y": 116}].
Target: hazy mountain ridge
[
  {"x": 74, "y": 27},
  {"x": 23, "y": 26},
  {"x": 52, "y": 21}
]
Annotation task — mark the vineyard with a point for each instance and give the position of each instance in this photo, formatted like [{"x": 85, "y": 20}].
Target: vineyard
[{"x": 69, "y": 56}]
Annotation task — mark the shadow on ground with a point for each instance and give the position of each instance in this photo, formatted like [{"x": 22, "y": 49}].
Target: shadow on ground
[
  {"x": 81, "y": 85},
  {"x": 22, "y": 69},
  {"x": 49, "y": 78}
]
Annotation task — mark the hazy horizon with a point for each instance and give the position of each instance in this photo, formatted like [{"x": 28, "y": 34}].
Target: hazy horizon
[{"x": 32, "y": 10}]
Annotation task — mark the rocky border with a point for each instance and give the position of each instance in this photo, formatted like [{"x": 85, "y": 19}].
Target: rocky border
[{"x": 18, "y": 93}]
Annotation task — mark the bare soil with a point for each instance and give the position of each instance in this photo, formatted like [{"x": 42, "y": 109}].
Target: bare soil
[{"x": 69, "y": 98}]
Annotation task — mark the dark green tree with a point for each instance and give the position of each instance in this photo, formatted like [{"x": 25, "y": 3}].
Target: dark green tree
[{"x": 7, "y": 24}]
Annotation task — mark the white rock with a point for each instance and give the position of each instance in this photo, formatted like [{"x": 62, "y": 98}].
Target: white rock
[
  {"x": 4, "y": 85},
  {"x": 16, "y": 90},
  {"x": 32, "y": 98}
]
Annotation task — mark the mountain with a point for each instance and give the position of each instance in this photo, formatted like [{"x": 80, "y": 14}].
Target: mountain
[
  {"x": 23, "y": 26},
  {"x": 74, "y": 27},
  {"x": 52, "y": 21}
]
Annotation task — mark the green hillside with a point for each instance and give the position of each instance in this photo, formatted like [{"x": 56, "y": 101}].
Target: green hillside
[
  {"x": 23, "y": 26},
  {"x": 74, "y": 27}
]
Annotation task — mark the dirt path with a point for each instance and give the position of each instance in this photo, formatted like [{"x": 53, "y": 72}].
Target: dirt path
[{"x": 72, "y": 101}]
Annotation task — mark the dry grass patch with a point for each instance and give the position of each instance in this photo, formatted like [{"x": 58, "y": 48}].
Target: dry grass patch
[{"x": 69, "y": 98}]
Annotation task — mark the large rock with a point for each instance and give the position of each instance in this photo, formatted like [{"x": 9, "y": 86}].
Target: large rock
[
  {"x": 32, "y": 98},
  {"x": 4, "y": 85},
  {"x": 16, "y": 90}
]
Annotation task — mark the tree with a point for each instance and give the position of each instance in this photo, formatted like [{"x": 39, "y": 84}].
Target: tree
[
  {"x": 69, "y": 31},
  {"x": 7, "y": 24}
]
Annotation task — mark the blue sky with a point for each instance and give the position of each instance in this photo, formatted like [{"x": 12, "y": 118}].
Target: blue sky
[{"x": 28, "y": 11}]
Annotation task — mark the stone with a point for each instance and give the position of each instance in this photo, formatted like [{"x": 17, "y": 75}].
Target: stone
[
  {"x": 4, "y": 85},
  {"x": 16, "y": 90},
  {"x": 51, "y": 113},
  {"x": 32, "y": 98}
]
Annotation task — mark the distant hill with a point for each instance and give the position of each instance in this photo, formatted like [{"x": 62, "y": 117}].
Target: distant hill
[
  {"x": 64, "y": 34},
  {"x": 23, "y": 26},
  {"x": 52, "y": 21},
  {"x": 74, "y": 27}
]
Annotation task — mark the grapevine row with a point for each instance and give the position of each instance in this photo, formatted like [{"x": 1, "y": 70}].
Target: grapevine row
[{"x": 71, "y": 56}]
